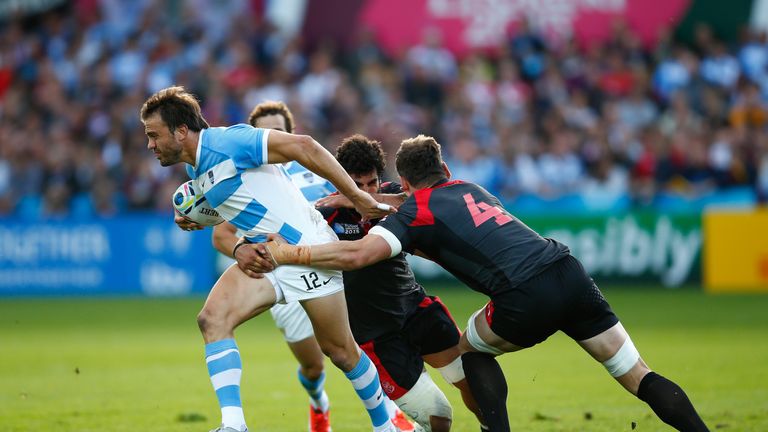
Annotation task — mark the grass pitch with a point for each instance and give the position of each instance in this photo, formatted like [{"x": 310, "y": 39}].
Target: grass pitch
[{"x": 117, "y": 365}]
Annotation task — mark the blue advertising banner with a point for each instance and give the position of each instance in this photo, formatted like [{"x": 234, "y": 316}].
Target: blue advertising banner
[{"x": 134, "y": 255}]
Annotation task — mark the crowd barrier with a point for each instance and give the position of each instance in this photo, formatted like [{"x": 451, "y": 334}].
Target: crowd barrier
[
  {"x": 132, "y": 255},
  {"x": 148, "y": 255}
]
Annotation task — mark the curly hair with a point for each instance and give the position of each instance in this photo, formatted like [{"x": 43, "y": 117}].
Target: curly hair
[
  {"x": 272, "y": 108},
  {"x": 419, "y": 161},
  {"x": 360, "y": 155},
  {"x": 176, "y": 107}
]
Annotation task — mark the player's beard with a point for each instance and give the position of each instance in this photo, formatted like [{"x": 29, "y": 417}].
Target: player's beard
[{"x": 170, "y": 157}]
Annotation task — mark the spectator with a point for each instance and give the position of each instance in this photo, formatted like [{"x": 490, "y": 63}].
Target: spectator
[{"x": 539, "y": 119}]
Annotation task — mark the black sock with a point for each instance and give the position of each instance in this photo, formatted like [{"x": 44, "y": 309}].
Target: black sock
[
  {"x": 489, "y": 387},
  {"x": 670, "y": 403}
]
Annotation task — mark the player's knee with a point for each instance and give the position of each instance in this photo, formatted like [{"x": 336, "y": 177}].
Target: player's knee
[
  {"x": 312, "y": 370},
  {"x": 453, "y": 372},
  {"x": 427, "y": 405},
  {"x": 624, "y": 360},
  {"x": 344, "y": 358},
  {"x": 208, "y": 321},
  {"x": 440, "y": 424}
]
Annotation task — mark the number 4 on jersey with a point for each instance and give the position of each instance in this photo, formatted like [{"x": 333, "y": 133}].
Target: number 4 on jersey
[{"x": 482, "y": 212}]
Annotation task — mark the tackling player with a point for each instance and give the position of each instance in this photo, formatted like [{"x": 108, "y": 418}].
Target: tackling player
[
  {"x": 535, "y": 286},
  {"x": 391, "y": 317},
  {"x": 235, "y": 168}
]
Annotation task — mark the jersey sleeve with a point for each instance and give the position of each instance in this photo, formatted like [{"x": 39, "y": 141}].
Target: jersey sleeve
[
  {"x": 247, "y": 144},
  {"x": 398, "y": 225}
]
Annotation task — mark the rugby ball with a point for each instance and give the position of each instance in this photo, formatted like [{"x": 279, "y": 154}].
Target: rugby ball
[{"x": 190, "y": 202}]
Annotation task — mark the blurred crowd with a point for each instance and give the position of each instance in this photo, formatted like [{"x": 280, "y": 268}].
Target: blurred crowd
[{"x": 617, "y": 122}]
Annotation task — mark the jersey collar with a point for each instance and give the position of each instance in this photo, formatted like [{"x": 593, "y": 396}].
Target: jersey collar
[
  {"x": 444, "y": 182},
  {"x": 199, "y": 148}
]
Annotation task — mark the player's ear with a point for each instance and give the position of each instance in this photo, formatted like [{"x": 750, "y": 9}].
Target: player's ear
[
  {"x": 181, "y": 132},
  {"x": 405, "y": 185},
  {"x": 446, "y": 170}
]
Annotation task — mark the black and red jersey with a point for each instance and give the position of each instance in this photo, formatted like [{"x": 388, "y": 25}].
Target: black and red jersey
[
  {"x": 466, "y": 230},
  {"x": 381, "y": 296}
]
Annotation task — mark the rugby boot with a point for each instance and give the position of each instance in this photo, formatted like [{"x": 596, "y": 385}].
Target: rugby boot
[
  {"x": 402, "y": 423},
  {"x": 319, "y": 421},
  {"x": 227, "y": 429}
]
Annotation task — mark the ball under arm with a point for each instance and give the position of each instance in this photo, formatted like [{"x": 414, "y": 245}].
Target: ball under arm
[{"x": 282, "y": 253}]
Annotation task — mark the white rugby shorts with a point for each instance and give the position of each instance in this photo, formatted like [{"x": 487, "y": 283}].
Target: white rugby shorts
[
  {"x": 294, "y": 283},
  {"x": 291, "y": 319}
]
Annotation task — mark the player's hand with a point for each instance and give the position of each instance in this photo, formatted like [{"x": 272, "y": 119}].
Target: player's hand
[
  {"x": 186, "y": 224},
  {"x": 253, "y": 259},
  {"x": 369, "y": 208},
  {"x": 335, "y": 201}
]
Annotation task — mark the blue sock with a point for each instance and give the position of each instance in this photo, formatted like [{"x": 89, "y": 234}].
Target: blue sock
[
  {"x": 365, "y": 380},
  {"x": 316, "y": 390},
  {"x": 225, "y": 369}
]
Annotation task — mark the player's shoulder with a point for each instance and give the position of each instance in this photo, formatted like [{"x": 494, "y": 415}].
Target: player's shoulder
[{"x": 239, "y": 127}]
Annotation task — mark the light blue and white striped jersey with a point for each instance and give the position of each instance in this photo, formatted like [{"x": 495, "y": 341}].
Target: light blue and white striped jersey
[
  {"x": 232, "y": 170},
  {"x": 310, "y": 184}
]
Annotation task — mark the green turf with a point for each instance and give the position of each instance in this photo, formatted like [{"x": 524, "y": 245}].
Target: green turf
[{"x": 137, "y": 364}]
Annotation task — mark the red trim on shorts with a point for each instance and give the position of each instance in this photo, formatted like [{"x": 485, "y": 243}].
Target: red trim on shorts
[
  {"x": 424, "y": 216},
  {"x": 429, "y": 300},
  {"x": 390, "y": 387},
  {"x": 489, "y": 308},
  {"x": 426, "y": 302}
]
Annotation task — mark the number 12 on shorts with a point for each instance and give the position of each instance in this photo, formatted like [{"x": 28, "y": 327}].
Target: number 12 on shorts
[{"x": 312, "y": 280}]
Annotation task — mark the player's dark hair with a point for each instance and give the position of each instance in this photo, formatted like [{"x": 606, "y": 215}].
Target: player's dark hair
[
  {"x": 418, "y": 160},
  {"x": 360, "y": 155},
  {"x": 272, "y": 108},
  {"x": 176, "y": 107}
]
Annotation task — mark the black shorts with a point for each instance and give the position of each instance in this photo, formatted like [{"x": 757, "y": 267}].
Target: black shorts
[
  {"x": 562, "y": 297},
  {"x": 398, "y": 356}
]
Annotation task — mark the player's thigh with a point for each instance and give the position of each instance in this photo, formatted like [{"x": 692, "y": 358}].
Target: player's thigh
[
  {"x": 432, "y": 330},
  {"x": 236, "y": 297},
  {"x": 585, "y": 312},
  {"x": 443, "y": 358},
  {"x": 605, "y": 345},
  {"x": 398, "y": 363},
  {"x": 328, "y": 315},
  {"x": 480, "y": 338}
]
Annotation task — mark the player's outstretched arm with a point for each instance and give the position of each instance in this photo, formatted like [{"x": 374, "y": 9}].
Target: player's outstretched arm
[
  {"x": 341, "y": 255},
  {"x": 340, "y": 201},
  {"x": 285, "y": 147}
]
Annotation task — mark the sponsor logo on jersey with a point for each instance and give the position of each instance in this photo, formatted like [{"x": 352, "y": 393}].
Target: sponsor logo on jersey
[
  {"x": 348, "y": 229},
  {"x": 210, "y": 176}
]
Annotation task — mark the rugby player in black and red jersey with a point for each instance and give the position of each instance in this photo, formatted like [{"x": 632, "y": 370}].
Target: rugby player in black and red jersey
[
  {"x": 536, "y": 287},
  {"x": 392, "y": 318}
]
